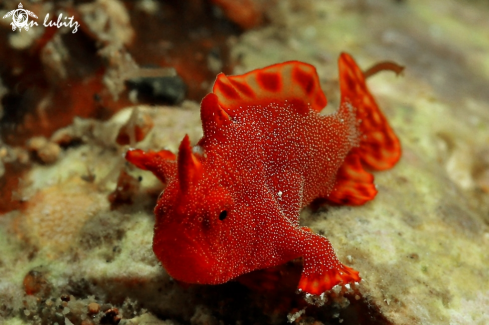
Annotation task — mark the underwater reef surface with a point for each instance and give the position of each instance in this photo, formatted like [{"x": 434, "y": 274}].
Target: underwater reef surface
[{"x": 77, "y": 223}]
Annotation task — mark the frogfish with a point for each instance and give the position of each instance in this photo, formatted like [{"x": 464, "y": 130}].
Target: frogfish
[{"x": 231, "y": 202}]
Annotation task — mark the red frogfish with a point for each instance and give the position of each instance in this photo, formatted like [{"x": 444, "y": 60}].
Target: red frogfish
[{"x": 231, "y": 203}]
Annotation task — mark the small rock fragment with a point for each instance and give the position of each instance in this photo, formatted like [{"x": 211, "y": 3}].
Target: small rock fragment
[
  {"x": 127, "y": 187},
  {"x": 93, "y": 308},
  {"x": 293, "y": 316},
  {"x": 245, "y": 13},
  {"x": 35, "y": 283},
  {"x": 136, "y": 128},
  {"x": 170, "y": 90},
  {"x": 47, "y": 151},
  {"x": 36, "y": 143},
  {"x": 111, "y": 317},
  {"x": 59, "y": 318}
]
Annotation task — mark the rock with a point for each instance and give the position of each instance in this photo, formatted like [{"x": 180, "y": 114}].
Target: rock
[{"x": 170, "y": 90}]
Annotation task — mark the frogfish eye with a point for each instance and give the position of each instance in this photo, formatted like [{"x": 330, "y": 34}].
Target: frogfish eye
[{"x": 223, "y": 215}]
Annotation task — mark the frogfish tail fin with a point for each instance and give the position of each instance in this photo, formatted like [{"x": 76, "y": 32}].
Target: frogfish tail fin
[
  {"x": 379, "y": 147},
  {"x": 353, "y": 185}
]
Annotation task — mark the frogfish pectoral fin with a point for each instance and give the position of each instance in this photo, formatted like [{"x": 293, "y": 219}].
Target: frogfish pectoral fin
[{"x": 161, "y": 163}]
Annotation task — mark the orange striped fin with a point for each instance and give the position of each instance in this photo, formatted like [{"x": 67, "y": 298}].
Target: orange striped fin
[
  {"x": 379, "y": 147},
  {"x": 354, "y": 185},
  {"x": 291, "y": 80}
]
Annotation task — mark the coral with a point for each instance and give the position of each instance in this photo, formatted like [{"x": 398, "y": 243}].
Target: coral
[
  {"x": 51, "y": 221},
  {"x": 46, "y": 151}
]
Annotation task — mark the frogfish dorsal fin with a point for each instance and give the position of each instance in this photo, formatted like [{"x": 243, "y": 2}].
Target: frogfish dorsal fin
[
  {"x": 379, "y": 147},
  {"x": 189, "y": 166},
  {"x": 214, "y": 118},
  {"x": 291, "y": 80}
]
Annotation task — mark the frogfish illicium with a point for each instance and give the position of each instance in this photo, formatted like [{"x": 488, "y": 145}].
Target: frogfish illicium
[{"x": 231, "y": 203}]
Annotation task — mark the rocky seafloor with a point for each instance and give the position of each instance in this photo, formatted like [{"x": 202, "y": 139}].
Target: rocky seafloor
[{"x": 76, "y": 225}]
